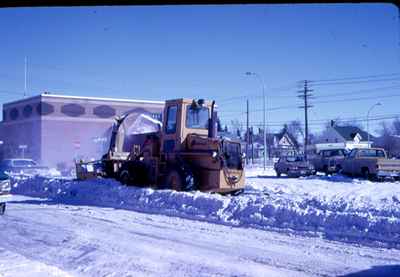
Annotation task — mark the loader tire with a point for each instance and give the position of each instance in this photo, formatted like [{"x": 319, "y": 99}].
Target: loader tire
[
  {"x": 174, "y": 180},
  {"x": 125, "y": 177},
  {"x": 180, "y": 179}
]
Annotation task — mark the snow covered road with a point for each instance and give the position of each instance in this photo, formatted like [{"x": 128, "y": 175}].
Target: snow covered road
[{"x": 43, "y": 238}]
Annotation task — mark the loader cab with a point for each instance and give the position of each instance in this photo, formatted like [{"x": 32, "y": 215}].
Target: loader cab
[{"x": 183, "y": 117}]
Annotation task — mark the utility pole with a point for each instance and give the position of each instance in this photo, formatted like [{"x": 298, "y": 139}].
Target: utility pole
[
  {"x": 305, "y": 95},
  {"x": 25, "y": 71},
  {"x": 252, "y": 144},
  {"x": 247, "y": 132}
]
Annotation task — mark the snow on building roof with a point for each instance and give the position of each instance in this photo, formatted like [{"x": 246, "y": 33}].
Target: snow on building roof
[
  {"x": 349, "y": 132},
  {"x": 102, "y": 99},
  {"x": 47, "y": 95}
]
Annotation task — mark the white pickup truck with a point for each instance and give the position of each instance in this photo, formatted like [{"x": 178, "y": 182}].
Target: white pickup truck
[{"x": 5, "y": 189}]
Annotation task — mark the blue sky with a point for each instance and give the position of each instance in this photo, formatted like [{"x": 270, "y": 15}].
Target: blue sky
[{"x": 165, "y": 52}]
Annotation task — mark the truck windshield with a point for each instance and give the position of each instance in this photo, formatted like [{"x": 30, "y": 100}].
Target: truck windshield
[{"x": 197, "y": 117}]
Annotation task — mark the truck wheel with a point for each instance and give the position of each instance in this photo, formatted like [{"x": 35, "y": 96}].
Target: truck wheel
[
  {"x": 365, "y": 174},
  {"x": 339, "y": 169},
  {"x": 2, "y": 208},
  {"x": 278, "y": 174},
  {"x": 125, "y": 177},
  {"x": 326, "y": 170}
]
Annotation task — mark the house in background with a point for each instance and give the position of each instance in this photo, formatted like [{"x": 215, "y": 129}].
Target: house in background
[
  {"x": 347, "y": 137},
  {"x": 279, "y": 144},
  {"x": 282, "y": 144}
]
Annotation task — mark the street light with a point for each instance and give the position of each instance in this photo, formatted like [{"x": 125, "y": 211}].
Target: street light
[
  {"x": 258, "y": 76},
  {"x": 376, "y": 104}
]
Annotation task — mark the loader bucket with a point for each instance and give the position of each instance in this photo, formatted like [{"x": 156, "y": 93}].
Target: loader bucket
[{"x": 87, "y": 170}]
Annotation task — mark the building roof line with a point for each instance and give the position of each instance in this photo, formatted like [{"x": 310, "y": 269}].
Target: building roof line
[
  {"x": 101, "y": 98},
  {"x": 46, "y": 95}
]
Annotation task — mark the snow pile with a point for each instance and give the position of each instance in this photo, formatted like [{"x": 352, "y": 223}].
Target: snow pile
[
  {"x": 144, "y": 124},
  {"x": 336, "y": 207}
]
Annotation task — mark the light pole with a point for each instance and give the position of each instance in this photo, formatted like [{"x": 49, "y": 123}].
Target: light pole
[
  {"x": 258, "y": 76},
  {"x": 370, "y": 109}
]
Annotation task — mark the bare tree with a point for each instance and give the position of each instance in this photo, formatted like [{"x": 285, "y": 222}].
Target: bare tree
[
  {"x": 386, "y": 139},
  {"x": 396, "y": 126},
  {"x": 237, "y": 127},
  {"x": 295, "y": 128}
]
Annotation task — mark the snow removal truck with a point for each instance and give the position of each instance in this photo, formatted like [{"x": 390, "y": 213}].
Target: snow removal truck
[{"x": 183, "y": 153}]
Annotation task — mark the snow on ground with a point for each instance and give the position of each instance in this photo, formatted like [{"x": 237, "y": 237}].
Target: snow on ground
[
  {"x": 43, "y": 238},
  {"x": 335, "y": 207}
]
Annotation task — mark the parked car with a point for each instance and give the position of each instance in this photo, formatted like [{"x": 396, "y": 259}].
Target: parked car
[
  {"x": 329, "y": 160},
  {"x": 22, "y": 166},
  {"x": 5, "y": 188},
  {"x": 294, "y": 166},
  {"x": 371, "y": 163}
]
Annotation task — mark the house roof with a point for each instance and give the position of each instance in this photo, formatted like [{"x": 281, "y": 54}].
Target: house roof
[
  {"x": 349, "y": 132},
  {"x": 279, "y": 136}
]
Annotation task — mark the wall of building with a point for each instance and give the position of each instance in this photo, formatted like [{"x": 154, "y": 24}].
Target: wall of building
[{"x": 60, "y": 129}]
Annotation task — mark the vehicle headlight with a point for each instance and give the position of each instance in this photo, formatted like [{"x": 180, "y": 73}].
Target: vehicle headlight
[{"x": 5, "y": 185}]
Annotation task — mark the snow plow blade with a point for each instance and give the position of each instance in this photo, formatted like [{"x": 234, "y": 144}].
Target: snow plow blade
[{"x": 88, "y": 170}]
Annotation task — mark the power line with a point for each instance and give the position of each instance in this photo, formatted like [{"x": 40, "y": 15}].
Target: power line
[
  {"x": 357, "y": 78},
  {"x": 245, "y": 96},
  {"x": 359, "y": 91},
  {"x": 354, "y": 82}
]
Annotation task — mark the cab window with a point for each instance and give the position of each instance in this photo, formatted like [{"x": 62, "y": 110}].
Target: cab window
[
  {"x": 380, "y": 153},
  {"x": 170, "y": 127},
  {"x": 352, "y": 153},
  {"x": 197, "y": 117}
]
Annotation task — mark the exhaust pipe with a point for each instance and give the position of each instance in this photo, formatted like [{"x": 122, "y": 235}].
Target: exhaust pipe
[{"x": 212, "y": 128}]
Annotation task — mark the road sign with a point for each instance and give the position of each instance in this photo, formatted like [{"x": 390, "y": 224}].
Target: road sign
[{"x": 77, "y": 144}]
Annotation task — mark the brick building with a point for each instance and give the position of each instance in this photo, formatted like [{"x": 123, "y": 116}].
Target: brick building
[{"x": 54, "y": 129}]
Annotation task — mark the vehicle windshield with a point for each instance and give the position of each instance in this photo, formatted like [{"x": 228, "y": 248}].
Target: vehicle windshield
[
  {"x": 197, "y": 117},
  {"x": 232, "y": 154},
  {"x": 333, "y": 153},
  {"x": 24, "y": 163},
  {"x": 295, "y": 159}
]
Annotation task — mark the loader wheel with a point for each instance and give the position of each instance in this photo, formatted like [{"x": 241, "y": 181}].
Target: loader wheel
[
  {"x": 125, "y": 177},
  {"x": 181, "y": 179},
  {"x": 174, "y": 180}
]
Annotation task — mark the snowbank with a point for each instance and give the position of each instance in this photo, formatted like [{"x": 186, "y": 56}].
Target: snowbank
[{"x": 336, "y": 207}]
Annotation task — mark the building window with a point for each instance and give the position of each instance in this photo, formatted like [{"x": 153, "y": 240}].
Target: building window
[
  {"x": 44, "y": 108},
  {"x": 27, "y": 112},
  {"x": 104, "y": 111},
  {"x": 73, "y": 110},
  {"x": 14, "y": 113},
  {"x": 157, "y": 116}
]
